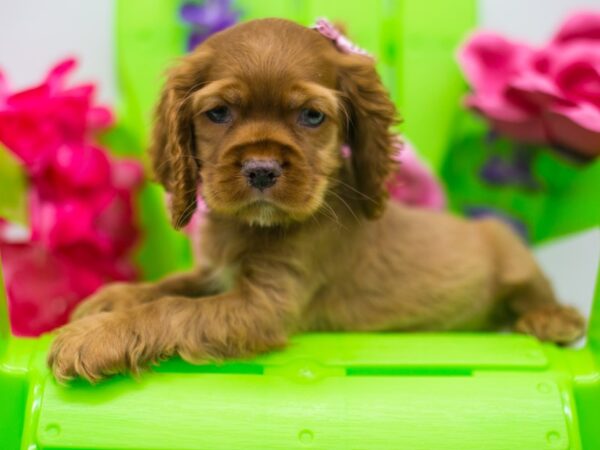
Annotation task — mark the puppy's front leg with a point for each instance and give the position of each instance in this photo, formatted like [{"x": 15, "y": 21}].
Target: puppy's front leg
[
  {"x": 123, "y": 296},
  {"x": 253, "y": 318}
]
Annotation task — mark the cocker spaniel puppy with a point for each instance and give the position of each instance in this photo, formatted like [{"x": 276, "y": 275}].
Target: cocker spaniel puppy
[{"x": 297, "y": 237}]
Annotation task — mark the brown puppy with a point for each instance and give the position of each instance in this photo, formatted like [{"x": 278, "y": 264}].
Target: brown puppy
[{"x": 297, "y": 238}]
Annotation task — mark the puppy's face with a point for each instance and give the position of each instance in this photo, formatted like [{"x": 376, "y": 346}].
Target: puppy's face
[
  {"x": 267, "y": 130},
  {"x": 255, "y": 117}
]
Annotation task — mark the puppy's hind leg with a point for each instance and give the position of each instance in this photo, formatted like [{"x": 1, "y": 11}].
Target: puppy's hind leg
[
  {"x": 527, "y": 292},
  {"x": 541, "y": 315}
]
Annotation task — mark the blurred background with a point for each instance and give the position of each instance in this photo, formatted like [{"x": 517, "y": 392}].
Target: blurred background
[
  {"x": 36, "y": 33},
  {"x": 124, "y": 46}
]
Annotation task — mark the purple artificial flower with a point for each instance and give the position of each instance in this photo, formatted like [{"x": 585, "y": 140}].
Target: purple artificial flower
[
  {"x": 207, "y": 18},
  {"x": 516, "y": 170}
]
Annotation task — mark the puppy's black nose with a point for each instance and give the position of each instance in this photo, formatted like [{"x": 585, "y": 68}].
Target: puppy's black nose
[{"x": 261, "y": 174}]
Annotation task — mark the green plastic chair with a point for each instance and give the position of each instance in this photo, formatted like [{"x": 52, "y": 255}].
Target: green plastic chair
[{"x": 326, "y": 391}]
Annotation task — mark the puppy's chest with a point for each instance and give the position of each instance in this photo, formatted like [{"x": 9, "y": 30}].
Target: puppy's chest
[{"x": 228, "y": 251}]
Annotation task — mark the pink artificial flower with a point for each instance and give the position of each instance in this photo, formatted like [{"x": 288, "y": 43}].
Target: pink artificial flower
[
  {"x": 3, "y": 88},
  {"x": 540, "y": 96},
  {"x": 80, "y": 203},
  {"x": 44, "y": 285},
  {"x": 415, "y": 184},
  {"x": 581, "y": 26},
  {"x": 194, "y": 227},
  {"x": 34, "y": 123},
  {"x": 40, "y": 294},
  {"x": 74, "y": 170},
  {"x": 343, "y": 44}
]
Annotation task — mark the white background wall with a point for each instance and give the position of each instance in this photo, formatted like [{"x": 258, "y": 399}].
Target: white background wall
[
  {"x": 532, "y": 20},
  {"x": 36, "y": 33}
]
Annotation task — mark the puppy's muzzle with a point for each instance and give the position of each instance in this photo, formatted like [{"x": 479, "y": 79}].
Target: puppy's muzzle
[{"x": 261, "y": 174}]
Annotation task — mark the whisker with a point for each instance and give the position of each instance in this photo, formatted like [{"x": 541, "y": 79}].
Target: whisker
[
  {"x": 185, "y": 212},
  {"x": 352, "y": 188},
  {"x": 339, "y": 197},
  {"x": 334, "y": 215}
]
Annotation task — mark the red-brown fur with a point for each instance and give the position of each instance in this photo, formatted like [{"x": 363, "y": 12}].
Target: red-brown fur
[{"x": 320, "y": 250}]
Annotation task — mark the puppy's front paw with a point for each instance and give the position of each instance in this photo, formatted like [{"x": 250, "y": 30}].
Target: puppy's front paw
[
  {"x": 95, "y": 347},
  {"x": 116, "y": 296}
]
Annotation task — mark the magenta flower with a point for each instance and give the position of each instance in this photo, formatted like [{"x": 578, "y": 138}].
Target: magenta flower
[
  {"x": 35, "y": 122},
  {"x": 81, "y": 213},
  {"x": 548, "y": 96},
  {"x": 38, "y": 287}
]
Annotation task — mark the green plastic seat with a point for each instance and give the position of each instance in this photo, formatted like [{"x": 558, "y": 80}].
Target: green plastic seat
[{"x": 326, "y": 391}]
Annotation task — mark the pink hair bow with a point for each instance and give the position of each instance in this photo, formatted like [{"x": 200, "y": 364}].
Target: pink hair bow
[{"x": 344, "y": 45}]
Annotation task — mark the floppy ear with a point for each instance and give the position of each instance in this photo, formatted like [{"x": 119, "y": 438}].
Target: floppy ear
[
  {"x": 172, "y": 150},
  {"x": 371, "y": 113}
]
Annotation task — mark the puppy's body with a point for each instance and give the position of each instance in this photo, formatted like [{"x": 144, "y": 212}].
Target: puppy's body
[
  {"x": 413, "y": 269},
  {"x": 298, "y": 237}
]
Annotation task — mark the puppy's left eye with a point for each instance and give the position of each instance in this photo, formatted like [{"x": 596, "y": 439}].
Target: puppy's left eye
[
  {"x": 220, "y": 114},
  {"x": 311, "y": 118}
]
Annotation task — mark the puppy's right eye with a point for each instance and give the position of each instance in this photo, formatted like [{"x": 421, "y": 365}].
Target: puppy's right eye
[
  {"x": 220, "y": 114},
  {"x": 311, "y": 118}
]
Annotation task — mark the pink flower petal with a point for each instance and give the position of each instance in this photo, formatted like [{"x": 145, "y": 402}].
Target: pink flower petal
[
  {"x": 80, "y": 167},
  {"x": 29, "y": 98},
  {"x": 415, "y": 184},
  {"x": 60, "y": 224},
  {"x": 575, "y": 70},
  {"x": 38, "y": 289},
  {"x": 509, "y": 120},
  {"x": 498, "y": 108},
  {"x": 115, "y": 224},
  {"x": 30, "y": 137},
  {"x": 489, "y": 61},
  {"x": 575, "y": 127},
  {"x": 99, "y": 117},
  {"x": 57, "y": 75},
  {"x": 533, "y": 90},
  {"x": 584, "y": 25},
  {"x": 126, "y": 174},
  {"x": 70, "y": 117},
  {"x": 87, "y": 268},
  {"x": 3, "y": 89}
]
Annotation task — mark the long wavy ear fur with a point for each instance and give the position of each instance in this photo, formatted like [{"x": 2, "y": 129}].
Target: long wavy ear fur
[
  {"x": 172, "y": 150},
  {"x": 371, "y": 113}
]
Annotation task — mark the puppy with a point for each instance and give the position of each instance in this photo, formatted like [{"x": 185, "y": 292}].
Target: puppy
[{"x": 297, "y": 237}]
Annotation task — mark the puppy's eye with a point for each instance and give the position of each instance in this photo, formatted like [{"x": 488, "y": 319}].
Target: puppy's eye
[
  {"x": 220, "y": 114},
  {"x": 311, "y": 118}
]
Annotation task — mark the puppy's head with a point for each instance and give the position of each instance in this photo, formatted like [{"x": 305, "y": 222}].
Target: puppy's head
[{"x": 256, "y": 117}]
